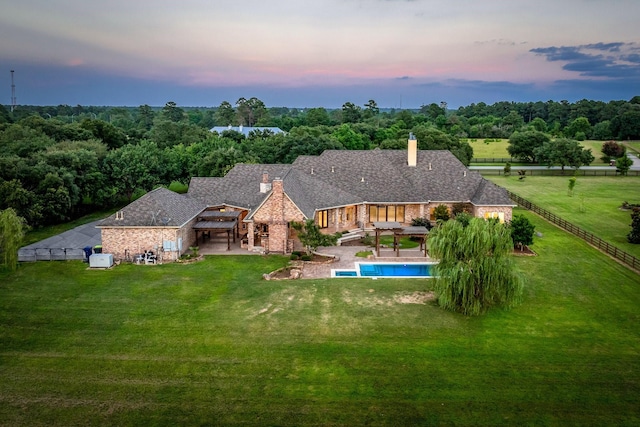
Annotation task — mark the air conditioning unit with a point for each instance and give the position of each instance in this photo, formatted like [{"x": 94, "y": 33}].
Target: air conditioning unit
[{"x": 101, "y": 260}]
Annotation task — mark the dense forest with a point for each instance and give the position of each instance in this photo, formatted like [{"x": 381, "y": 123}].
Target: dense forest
[{"x": 60, "y": 162}]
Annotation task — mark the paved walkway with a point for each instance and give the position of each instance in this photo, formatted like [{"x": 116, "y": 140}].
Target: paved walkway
[
  {"x": 347, "y": 259},
  {"x": 636, "y": 161}
]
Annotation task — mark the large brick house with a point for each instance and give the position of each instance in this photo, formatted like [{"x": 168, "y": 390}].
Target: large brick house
[{"x": 339, "y": 189}]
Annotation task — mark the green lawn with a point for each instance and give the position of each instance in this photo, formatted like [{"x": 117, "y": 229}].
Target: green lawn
[
  {"x": 634, "y": 146},
  {"x": 498, "y": 149},
  {"x": 405, "y": 242},
  {"x": 595, "y": 205},
  {"x": 492, "y": 149},
  {"x": 212, "y": 343}
]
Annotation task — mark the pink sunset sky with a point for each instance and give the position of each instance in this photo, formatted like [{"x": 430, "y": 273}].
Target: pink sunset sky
[{"x": 401, "y": 53}]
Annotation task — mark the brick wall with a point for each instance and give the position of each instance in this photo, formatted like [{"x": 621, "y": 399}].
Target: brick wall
[
  {"x": 118, "y": 240},
  {"x": 413, "y": 211},
  {"x": 277, "y": 211}
]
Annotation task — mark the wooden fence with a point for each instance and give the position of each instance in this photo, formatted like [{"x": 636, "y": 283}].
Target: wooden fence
[
  {"x": 590, "y": 238},
  {"x": 496, "y": 160},
  {"x": 50, "y": 254},
  {"x": 556, "y": 172}
]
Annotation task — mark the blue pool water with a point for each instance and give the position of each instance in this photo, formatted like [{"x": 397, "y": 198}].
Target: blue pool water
[
  {"x": 345, "y": 273},
  {"x": 372, "y": 269}
]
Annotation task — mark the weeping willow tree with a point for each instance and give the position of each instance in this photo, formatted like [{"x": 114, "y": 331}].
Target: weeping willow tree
[
  {"x": 11, "y": 234},
  {"x": 475, "y": 271}
]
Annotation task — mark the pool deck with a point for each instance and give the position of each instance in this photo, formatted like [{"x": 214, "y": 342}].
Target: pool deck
[{"x": 347, "y": 259}]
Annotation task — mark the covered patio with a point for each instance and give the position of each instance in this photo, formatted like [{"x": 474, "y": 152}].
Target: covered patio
[{"x": 217, "y": 222}]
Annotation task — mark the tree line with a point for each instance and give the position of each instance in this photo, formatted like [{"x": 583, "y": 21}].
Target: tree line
[{"x": 60, "y": 162}]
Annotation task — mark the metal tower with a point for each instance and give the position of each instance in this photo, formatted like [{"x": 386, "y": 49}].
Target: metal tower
[{"x": 13, "y": 93}]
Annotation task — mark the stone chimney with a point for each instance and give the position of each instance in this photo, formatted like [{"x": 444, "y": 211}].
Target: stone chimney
[
  {"x": 277, "y": 186},
  {"x": 412, "y": 151},
  {"x": 265, "y": 185}
]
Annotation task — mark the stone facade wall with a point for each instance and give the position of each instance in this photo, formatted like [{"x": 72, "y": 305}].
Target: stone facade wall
[
  {"x": 493, "y": 211},
  {"x": 413, "y": 211},
  {"x": 338, "y": 220},
  {"x": 277, "y": 211}
]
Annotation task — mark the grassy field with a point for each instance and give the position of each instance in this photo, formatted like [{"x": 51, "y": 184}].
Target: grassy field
[
  {"x": 634, "y": 146},
  {"x": 595, "y": 205},
  {"x": 493, "y": 149},
  {"x": 212, "y": 343},
  {"x": 498, "y": 149}
]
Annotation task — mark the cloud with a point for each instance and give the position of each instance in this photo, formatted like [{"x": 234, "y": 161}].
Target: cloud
[
  {"x": 603, "y": 60},
  {"x": 499, "y": 42}
]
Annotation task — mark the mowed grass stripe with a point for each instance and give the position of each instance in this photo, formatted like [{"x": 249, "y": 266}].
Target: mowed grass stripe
[{"x": 213, "y": 343}]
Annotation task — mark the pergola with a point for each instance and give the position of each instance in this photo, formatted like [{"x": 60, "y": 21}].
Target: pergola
[
  {"x": 398, "y": 232},
  {"x": 218, "y": 222}
]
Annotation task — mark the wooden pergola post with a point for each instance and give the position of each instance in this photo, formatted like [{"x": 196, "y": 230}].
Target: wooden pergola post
[{"x": 396, "y": 244}]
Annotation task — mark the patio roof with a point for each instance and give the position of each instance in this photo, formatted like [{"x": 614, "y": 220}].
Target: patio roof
[
  {"x": 215, "y": 225},
  {"x": 387, "y": 225},
  {"x": 219, "y": 215},
  {"x": 414, "y": 230}
]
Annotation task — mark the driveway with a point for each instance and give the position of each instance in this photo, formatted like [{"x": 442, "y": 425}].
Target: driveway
[{"x": 67, "y": 245}]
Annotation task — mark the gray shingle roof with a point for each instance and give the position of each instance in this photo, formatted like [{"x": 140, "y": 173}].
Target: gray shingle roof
[
  {"x": 159, "y": 207},
  {"x": 384, "y": 176},
  {"x": 239, "y": 188},
  {"x": 345, "y": 177}
]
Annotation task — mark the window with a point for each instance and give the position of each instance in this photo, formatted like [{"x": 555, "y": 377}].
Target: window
[
  {"x": 499, "y": 215},
  {"x": 323, "y": 219},
  {"x": 349, "y": 213},
  {"x": 386, "y": 213}
]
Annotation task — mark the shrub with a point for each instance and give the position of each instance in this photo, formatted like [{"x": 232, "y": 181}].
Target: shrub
[
  {"x": 441, "y": 213},
  {"x": 634, "y": 234},
  {"x": 368, "y": 239},
  {"x": 507, "y": 169},
  {"x": 572, "y": 185},
  {"x": 421, "y": 222},
  {"x": 306, "y": 257},
  {"x": 463, "y": 218},
  {"x": 612, "y": 150},
  {"x": 521, "y": 231}
]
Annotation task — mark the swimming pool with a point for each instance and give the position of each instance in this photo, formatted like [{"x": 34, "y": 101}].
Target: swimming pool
[{"x": 387, "y": 269}]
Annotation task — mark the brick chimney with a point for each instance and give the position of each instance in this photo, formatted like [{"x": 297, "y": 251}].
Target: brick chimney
[
  {"x": 412, "y": 151},
  {"x": 277, "y": 186}
]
